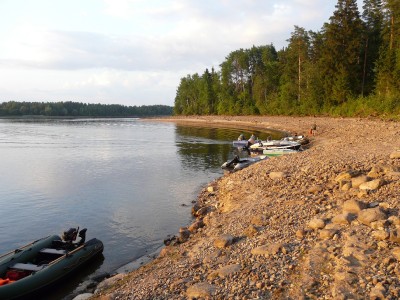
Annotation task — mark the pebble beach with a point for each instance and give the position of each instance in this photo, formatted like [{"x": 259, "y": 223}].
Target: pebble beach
[{"x": 323, "y": 223}]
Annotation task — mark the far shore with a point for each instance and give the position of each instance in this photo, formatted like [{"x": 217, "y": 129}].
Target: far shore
[{"x": 320, "y": 224}]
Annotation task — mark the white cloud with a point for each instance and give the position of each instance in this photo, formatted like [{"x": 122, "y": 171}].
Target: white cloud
[{"x": 137, "y": 49}]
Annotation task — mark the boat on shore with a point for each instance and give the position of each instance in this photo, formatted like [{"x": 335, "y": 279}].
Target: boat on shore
[
  {"x": 278, "y": 152},
  {"x": 238, "y": 163},
  {"x": 260, "y": 146},
  {"x": 293, "y": 143},
  {"x": 41, "y": 263}
]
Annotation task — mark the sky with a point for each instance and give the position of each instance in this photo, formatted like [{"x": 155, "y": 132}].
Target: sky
[{"x": 134, "y": 52}]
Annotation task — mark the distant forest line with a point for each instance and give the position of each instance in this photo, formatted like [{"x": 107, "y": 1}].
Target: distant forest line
[
  {"x": 351, "y": 67},
  {"x": 77, "y": 109}
]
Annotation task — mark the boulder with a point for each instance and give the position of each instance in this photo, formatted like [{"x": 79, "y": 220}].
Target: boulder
[
  {"x": 369, "y": 215},
  {"x": 196, "y": 225},
  {"x": 371, "y": 185},
  {"x": 353, "y": 206},
  {"x": 201, "y": 290},
  {"x": 300, "y": 233},
  {"x": 250, "y": 231},
  {"x": 342, "y": 219},
  {"x": 83, "y": 296},
  {"x": 378, "y": 292},
  {"x": 184, "y": 234},
  {"x": 226, "y": 271},
  {"x": 109, "y": 282},
  {"x": 380, "y": 235},
  {"x": 395, "y": 235},
  {"x": 277, "y": 175},
  {"x": 396, "y": 252},
  {"x": 395, "y": 154},
  {"x": 223, "y": 241},
  {"x": 259, "y": 220},
  {"x": 327, "y": 233},
  {"x": 356, "y": 181},
  {"x": 267, "y": 249},
  {"x": 316, "y": 223},
  {"x": 315, "y": 189},
  {"x": 344, "y": 176}
]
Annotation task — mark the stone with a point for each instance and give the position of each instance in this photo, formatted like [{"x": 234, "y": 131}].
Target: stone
[
  {"x": 380, "y": 235},
  {"x": 395, "y": 235},
  {"x": 164, "y": 252},
  {"x": 356, "y": 181},
  {"x": 396, "y": 253},
  {"x": 316, "y": 223},
  {"x": 184, "y": 234},
  {"x": 201, "y": 290},
  {"x": 369, "y": 215},
  {"x": 83, "y": 296},
  {"x": 227, "y": 270},
  {"x": 381, "y": 224},
  {"x": 342, "y": 219},
  {"x": 250, "y": 231},
  {"x": 387, "y": 169},
  {"x": 223, "y": 241},
  {"x": 353, "y": 206},
  {"x": 346, "y": 175},
  {"x": 267, "y": 249},
  {"x": 109, "y": 282},
  {"x": 346, "y": 186},
  {"x": 327, "y": 233},
  {"x": 196, "y": 225},
  {"x": 277, "y": 175},
  {"x": 202, "y": 211},
  {"x": 395, "y": 220},
  {"x": 371, "y": 185},
  {"x": 315, "y": 189},
  {"x": 300, "y": 233},
  {"x": 259, "y": 220},
  {"x": 212, "y": 257},
  {"x": 378, "y": 292},
  {"x": 395, "y": 154}
]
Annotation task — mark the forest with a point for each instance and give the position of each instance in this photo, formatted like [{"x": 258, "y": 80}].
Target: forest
[
  {"x": 76, "y": 109},
  {"x": 351, "y": 67}
]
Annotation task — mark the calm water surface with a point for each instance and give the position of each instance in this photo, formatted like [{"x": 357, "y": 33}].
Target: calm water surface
[{"x": 123, "y": 179}]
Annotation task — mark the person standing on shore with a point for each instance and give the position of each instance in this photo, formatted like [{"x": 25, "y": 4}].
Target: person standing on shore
[
  {"x": 313, "y": 130},
  {"x": 241, "y": 137},
  {"x": 250, "y": 142}
]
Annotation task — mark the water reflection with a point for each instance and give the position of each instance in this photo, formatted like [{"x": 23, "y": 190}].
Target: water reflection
[
  {"x": 123, "y": 179},
  {"x": 205, "y": 147}
]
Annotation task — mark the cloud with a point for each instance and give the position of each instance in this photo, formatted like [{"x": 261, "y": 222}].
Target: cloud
[
  {"x": 181, "y": 34},
  {"x": 139, "y": 49}
]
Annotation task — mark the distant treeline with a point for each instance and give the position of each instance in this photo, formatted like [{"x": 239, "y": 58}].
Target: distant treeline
[
  {"x": 351, "y": 67},
  {"x": 76, "y": 109}
]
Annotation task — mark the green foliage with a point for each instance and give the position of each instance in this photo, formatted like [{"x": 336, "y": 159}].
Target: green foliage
[
  {"x": 349, "y": 68},
  {"x": 76, "y": 109}
]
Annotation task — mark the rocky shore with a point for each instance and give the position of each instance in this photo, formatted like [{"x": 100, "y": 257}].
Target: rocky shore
[{"x": 320, "y": 224}]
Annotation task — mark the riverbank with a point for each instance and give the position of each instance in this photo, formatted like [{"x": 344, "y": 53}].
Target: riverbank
[{"x": 320, "y": 224}]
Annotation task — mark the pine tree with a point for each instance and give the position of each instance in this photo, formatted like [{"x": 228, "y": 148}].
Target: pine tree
[
  {"x": 294, "y": 75},
  {"x": 341, "y": 56},
  {"x": 373, "y": 17},
  {"x": 388, "y": 74}
]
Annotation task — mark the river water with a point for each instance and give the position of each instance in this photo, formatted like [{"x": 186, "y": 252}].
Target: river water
[{"x": 130, "y": 182}]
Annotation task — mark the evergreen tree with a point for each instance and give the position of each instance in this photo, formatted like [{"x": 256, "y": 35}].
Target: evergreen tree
[
  {"x": 294, "y": 64},
  {"x": 388, "y": 77},
  {"x": 373, "y": 18},
  {"x": 341, "y": 56}
]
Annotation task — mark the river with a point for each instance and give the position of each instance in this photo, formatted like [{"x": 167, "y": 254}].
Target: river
[{"x": 130, "y": 183}]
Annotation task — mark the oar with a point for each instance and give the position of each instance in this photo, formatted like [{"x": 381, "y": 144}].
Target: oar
[
  {"x": 22, "y": 248},
  {"x": 65, "y": 255}
]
